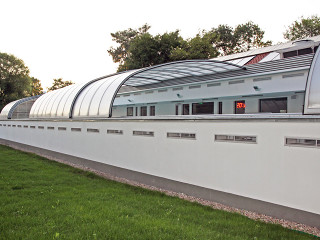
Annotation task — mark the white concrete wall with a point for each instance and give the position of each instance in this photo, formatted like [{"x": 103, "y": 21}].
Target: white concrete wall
[{"x": 267, "y": 170}]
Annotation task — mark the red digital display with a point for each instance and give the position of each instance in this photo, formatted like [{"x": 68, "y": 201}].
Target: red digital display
[{"x": 241, "y": 105}]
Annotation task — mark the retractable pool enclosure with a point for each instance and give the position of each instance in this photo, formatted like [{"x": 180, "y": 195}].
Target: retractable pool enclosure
[{"x": 95, "y": 99}]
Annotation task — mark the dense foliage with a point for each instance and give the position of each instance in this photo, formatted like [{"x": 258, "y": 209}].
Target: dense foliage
[
  {"x": 15, "y": 81},
  {"x": 36, "y": 87},
  {"x": 305, "y": 27},
  {"x": 138, "y": 48}
]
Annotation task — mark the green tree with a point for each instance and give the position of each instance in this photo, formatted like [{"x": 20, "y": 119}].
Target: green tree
[
  {"x": 124, "y": 38},
  {"x": 59, "y": 83},
  {"x": 139, "y": 49},
  {"x": 36, "y": 88},
  {"x": 15, "y": 82},
  {"x": 199, "y": 47},
  {"x": 241, "y": 39},
  {"x": 303, "y": 28},
  {"x": 147, "y": 50}
]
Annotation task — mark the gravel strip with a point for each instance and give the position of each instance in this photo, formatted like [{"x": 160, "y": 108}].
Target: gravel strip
[{"x": 252, "y": 215}]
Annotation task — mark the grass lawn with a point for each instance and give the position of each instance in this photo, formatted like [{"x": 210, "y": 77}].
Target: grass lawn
[{"x": 43, "y": 199}]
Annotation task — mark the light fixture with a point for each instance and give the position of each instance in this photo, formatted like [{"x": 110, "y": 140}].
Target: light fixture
[
  {"x": 256, "y": 88},
  {"x": 130, "y": 100},
  {"x": 179, "y": 95}
]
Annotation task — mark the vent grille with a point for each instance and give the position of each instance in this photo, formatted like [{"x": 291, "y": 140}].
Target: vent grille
[
  {"x": 75, "y": 129},
  {"x": 181, "y": 135},
  {"x": 93, "y": 130},
  {"x": 114, "y": 131},
  {"x": 235, "y": 138},
  {"x": 303, "y": 142},
  {"x": 143, "y": 133}
]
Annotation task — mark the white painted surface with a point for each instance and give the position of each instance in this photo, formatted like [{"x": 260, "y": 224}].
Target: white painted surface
[
  {"x": 267, "y": 170},
  {"x": 312, "y": 101}
]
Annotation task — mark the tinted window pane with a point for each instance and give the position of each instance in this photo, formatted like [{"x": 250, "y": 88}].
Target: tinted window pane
[
  {"x": 220, "y": 108},
  {"x": 273, "y": 105},
  {"x": 152, "y": 110},
  {"x": 304, "y": 51},
  {"x": 239, "y": 107},
  {"x": 130, "y": 111},
  {"x": 290, "y": 54},
  {"x": 202, "y": 108},
  {"x": 143, "y": 111},
  {"x": 185, "y": 108}
]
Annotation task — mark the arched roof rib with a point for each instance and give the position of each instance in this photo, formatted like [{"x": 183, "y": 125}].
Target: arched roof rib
[{"x": 95, "y": 98}]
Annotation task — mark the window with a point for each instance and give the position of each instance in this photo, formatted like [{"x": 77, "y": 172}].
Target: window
[
  {"x": 220, "y": 108},
  {"x": 177, "y": 109},
  {"x": 202, "y": 108},
  {"x": 137, "y": 111},
  {"x": 152, "y": 110},
  {"x": 290, "y": 54},
  {"x": 273, "y": 105},
  {"x": 143, "y": 111},
  {"x": 185, "y": 109},
  {"x": 304, "y": 51},
  {"x": 297, "y": 52},
  {"x": 129, "y": 111},
  {"x": 239, "y": 107}
]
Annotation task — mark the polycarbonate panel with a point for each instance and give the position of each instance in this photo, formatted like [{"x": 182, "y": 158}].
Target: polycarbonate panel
[
  {"x": 81, "y": 101},
  {"x": 62, "y": 109},
  {"x": 245, "y": 60},
  {"x": 96, "y": 99},
  {"x": 312, "y": 98},
  {"x": 94, "y": 108},
  {"x": 270, "y": 57},
  {"x": 5, "y": 111},
  {"x": 105, "y": 104},
  {"x": 37, "y": 107},
  {"x": 54, "y": 101},
  {"x": 55, "y": 104}
]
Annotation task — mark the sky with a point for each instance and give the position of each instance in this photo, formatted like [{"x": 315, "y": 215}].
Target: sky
[{"x": 69, "y": 39}]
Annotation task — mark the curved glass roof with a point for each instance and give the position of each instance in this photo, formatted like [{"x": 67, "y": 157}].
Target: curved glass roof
[
  {"x": 8, "y": 110},
  {"x": 95, "y": 98},
  {"x": 180, "y": 69}
]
